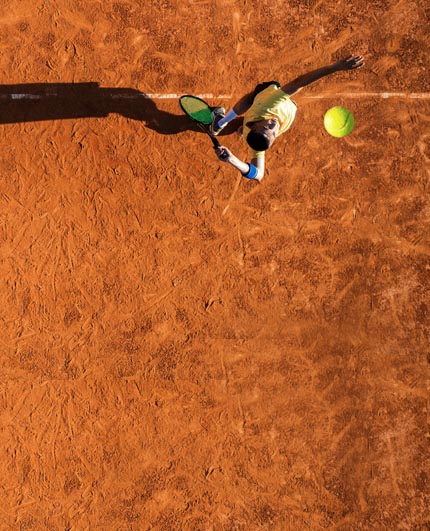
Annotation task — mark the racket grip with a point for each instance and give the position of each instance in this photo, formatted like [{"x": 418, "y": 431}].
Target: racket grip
[{"x": 215, "y": 142}]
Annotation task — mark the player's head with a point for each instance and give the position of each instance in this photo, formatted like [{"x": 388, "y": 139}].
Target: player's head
[{"x": 262, "y": 134}]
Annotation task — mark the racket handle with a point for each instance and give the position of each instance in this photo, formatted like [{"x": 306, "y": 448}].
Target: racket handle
[{"x": 215, "y": 142}]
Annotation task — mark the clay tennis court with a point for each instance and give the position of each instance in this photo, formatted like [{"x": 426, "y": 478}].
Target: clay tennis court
[{"x": 186, "y": 350}]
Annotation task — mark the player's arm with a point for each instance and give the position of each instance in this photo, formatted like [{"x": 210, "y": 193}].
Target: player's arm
[
  {"x": 253, "y": 170},
  {"x": 348, "y": 63}
]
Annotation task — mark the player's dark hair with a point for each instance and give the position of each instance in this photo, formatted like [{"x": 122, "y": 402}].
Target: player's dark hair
[{"x": 258, "y": 141}]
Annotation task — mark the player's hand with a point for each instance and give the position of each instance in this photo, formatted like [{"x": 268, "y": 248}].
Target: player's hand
[
  {"x": 349, "y": 63},
  {"x": 223, "y": 153}
]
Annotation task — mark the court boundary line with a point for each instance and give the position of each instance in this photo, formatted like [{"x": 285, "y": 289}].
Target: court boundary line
[
  {"x": 170, "y": 96},
  {"x": 383, "y": 95}
]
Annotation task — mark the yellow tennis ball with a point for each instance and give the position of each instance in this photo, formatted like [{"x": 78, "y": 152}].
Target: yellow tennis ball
[{"x": 338, "y": 121}]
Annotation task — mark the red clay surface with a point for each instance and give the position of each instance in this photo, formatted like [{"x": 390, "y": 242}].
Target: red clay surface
[{"x": 182, "y": 349}]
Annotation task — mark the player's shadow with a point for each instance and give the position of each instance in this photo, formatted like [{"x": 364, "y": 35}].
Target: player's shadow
[{"x": 59, "y": 101}]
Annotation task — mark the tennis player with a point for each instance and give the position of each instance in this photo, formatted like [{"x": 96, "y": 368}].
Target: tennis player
[{"x": 268, "y": 112}]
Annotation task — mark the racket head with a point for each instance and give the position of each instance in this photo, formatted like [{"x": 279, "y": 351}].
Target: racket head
[{"x": 196, "y": 109}]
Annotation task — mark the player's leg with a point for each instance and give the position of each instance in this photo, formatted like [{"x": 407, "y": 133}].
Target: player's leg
[{"x": 221, "y": 119}]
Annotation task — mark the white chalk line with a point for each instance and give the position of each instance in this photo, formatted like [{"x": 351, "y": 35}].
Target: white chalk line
[
  {"x": 383, "y": 95},
  {"x": 158, "y": 96}
]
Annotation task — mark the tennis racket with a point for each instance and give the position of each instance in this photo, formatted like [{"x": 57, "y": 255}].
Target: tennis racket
[{"x": 200, "y": 112}]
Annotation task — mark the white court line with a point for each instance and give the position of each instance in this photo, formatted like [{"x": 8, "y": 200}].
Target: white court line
[
  {"x": 21, "y": 96},
  {"x": 167, "y": 96},
  {"x": 159, "y": 96},
  {"x": 384, "y": 95}
]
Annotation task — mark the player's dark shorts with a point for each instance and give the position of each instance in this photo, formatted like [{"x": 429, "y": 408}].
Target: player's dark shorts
[{"x": 261, "y": 86}]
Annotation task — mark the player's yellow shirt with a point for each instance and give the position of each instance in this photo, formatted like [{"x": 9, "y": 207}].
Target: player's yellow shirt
[{"x": 271, "y": 102}]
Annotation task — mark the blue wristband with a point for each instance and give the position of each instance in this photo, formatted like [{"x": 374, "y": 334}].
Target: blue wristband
[{"x": 252, "y": 172}]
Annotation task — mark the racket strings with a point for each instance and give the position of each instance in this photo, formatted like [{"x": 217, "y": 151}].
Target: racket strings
[{"x": 196, "y": 109}]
